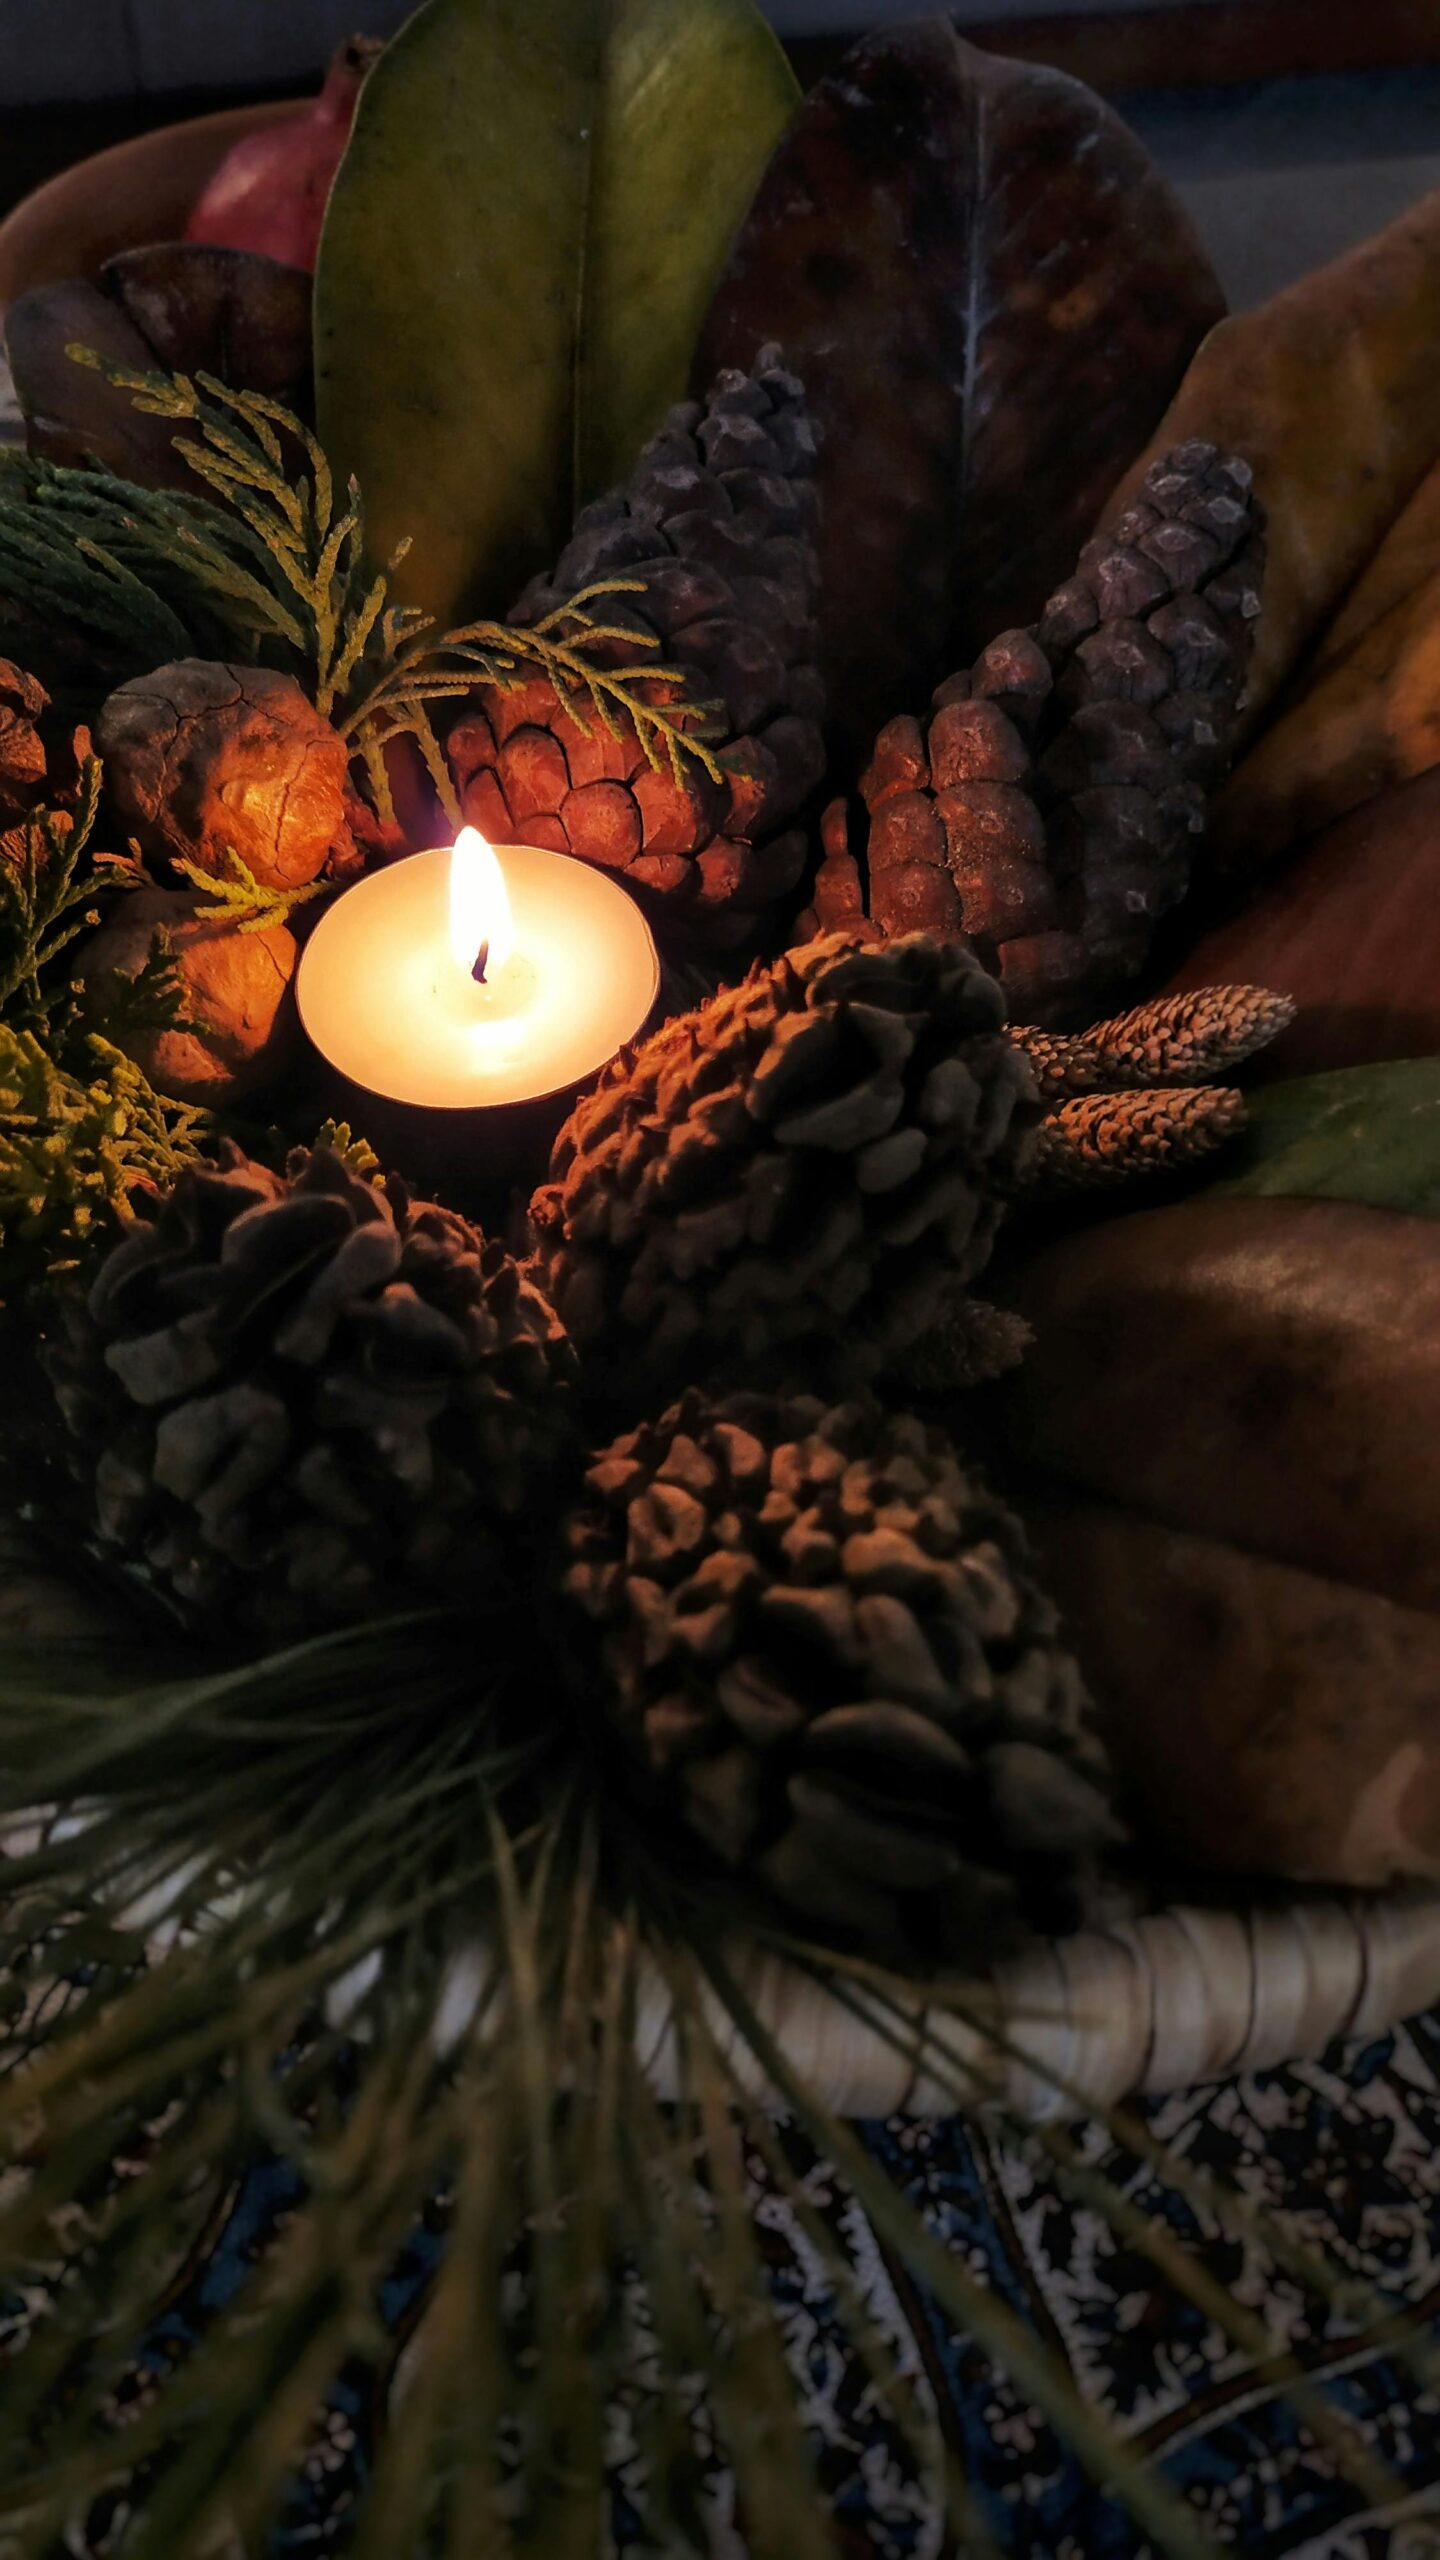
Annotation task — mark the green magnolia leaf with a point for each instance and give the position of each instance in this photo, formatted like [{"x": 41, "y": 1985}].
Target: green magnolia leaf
[
  {"x": 537, "y": 199},
  {"x": 1370, "y": 1134}
]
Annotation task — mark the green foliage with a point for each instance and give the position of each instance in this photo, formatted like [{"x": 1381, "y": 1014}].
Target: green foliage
[
  {"x": 80, "y": 1127},
  {"x": 271, "y": 570},
  {"x": 236, "y": 897},
  {"x": 424, "y": 1952},
  {"x": 47, "y": 897},
  {"x": 585, "y": 170},
  {"x": 1369, "y": 1134},
  {"x": 356, "y": 1154},
  {"x": 75, "y": 1149}
]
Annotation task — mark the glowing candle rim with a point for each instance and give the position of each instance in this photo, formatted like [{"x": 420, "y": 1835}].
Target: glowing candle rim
[{"x": 469, "y": 1105}]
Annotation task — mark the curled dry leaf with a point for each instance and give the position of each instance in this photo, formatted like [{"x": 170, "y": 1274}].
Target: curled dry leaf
[
  {"x": 1365, "y": 712},
  {"x": 991, "y": 295},
  {"x": 1262, "y": 1719},
  {"x": 1230, "y": 1416},
  {"x": 1347, "y": 930},
  {"x": 176, "y": 306},
  {"x": 1264, "y": 1370},
  {"x": 1331, "y": 393}
]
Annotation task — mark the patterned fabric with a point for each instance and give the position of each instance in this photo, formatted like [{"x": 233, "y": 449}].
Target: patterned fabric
[{"x": 1343, "y": 2153}]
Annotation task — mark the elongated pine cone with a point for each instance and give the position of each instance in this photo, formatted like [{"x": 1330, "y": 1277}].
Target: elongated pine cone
[
  {"x": 718, "y": 524},
  {"x": 301, "y": 1398},
  {"x": 827, "y": 1656},
  {"x": 811, "y": 1157},
  {"x": 1051, "y": 804},
  {"x": 1185, "y": 1039}
]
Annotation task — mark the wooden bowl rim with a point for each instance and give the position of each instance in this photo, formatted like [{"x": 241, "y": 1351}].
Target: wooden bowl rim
[{"x": 35, "y": 214}]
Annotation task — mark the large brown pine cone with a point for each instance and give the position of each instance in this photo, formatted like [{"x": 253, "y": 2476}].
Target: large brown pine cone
[
  {"x": 301, "y": 1398},
  {"x": 719, "y": 522},
  {"x": 812, "y": 1156},
  {"x": 1051, "y": 805},
  {"x": 827, "y": 1655}
]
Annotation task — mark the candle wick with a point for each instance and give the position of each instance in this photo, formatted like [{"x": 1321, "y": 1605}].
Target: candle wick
[{"x": 481, "y": 959}]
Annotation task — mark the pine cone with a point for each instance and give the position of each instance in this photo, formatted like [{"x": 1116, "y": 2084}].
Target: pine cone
[
  {"x": 305, "y": 1398},
  {"x": 719, "y": 522},
  {"x": 30, "y": 779},
  {"x": 828, "y": 1657},
  {"x": 1051, "y": 805},
  {"x": 813, "y": 1156},
  {"x": 1184, "y": 1039}
]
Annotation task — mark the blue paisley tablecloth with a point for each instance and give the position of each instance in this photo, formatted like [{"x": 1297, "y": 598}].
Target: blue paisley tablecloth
[{"x": 1346, "y": 2150}]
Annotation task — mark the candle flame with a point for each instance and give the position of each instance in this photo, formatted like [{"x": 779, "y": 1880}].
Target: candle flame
[{"x": 480, "y": 923}]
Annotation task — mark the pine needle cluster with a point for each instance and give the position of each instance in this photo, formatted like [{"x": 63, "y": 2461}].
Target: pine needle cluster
[
  {"x": 266, "y": 561},
  {"x": 81, "y": 1129}
]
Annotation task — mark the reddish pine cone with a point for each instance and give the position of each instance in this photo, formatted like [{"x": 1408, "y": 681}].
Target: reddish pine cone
[
  {"x": 814, "y": 1157},
  {"x": 719, "y": 522},
  {"x": 1051, "y": 805},
  {"x": 300, "y": 1398},
  {"x": 828, "y": 1659}
]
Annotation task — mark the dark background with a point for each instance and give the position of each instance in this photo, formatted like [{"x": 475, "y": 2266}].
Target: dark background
[{"x": 1290, "y": 127}]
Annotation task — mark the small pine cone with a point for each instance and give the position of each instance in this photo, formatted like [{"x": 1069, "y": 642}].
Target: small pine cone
[
  {"x": 718, "y": 525},
  {"x": 813, "y": 1156},
  {"x": 1050, "y": 805},
  {"x": 1185, "y": 1039},
  {"x": 301, "y": 1399},
  {"x": 1101, "y": 1140},
  {"x": 972, "y": 1343},
  {"x": 828, "y": 1658}
]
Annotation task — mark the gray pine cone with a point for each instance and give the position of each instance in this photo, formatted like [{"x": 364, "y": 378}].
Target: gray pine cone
[
  {"x": 812, "y": 1157},
  {"x": 718, "y": 521},
  {"x": 1051, "y": 805},
  {"x": 300, "y": 1398},
  {"x": 827, "y": 1656}
]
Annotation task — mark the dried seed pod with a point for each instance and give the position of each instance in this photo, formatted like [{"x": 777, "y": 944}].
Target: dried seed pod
[
  {"x": 828, "y": 1658},
  {"x": 237, "y": 1029},
  {"x": 203, "y": 759}
]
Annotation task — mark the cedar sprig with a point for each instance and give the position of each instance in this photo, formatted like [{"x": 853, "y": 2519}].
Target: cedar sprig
[
  {"x": 232, "y": 895},
  {"x": 573, "y": 648},
  {"x": 75, "y": 1148},
  {"x": 273, "y": 566},
  {"x": 47, "y": 898}
]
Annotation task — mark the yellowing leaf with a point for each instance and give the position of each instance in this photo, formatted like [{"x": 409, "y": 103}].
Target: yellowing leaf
[
  {"x": 528, "y": 224},
  {"x": 1331, "y": 392}
]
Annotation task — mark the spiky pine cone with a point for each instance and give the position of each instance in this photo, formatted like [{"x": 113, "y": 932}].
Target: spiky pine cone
[
  {"x": 300, "y": 1398},
  {"x": 1051, "y": 804},
  {"x": 718, "y": 521},
  {"x": 813, "y": 1156},
  {"x": 828, "y": 1657}
]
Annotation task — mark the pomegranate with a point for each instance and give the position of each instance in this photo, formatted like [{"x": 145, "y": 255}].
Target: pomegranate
[{"x": 269, "y": 194}]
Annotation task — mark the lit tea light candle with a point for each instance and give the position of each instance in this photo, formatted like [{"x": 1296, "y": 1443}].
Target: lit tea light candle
[{"x": 468, "y": 980}]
